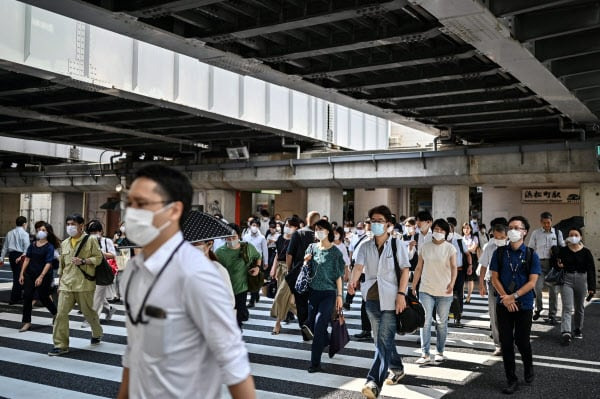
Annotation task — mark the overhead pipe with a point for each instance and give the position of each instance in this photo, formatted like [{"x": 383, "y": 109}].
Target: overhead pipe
[
  {"x": 112, "y": 166},
  {"x": 194, "y": 153},
  {"x": 295, "y": 146},
  {"x": 561, "y": 128}
]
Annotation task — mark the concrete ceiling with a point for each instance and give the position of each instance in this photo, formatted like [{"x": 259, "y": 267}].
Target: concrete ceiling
[{"x": 415, "y": 60}]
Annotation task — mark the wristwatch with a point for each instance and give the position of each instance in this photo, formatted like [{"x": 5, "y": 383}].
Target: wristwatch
[
  {"x": 516, "y": 296},
  {"x": 83, "y": 261}
]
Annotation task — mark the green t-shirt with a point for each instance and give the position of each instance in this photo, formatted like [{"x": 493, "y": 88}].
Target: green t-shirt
[
  {"x": 232, "y": 260},
  {"x": 327, "y": 266}
]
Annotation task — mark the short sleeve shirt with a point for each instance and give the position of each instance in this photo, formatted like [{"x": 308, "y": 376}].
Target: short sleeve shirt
[{"x": 327, "y": 267}]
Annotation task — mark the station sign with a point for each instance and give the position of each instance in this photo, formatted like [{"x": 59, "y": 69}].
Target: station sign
[{"x": 550, "y": 195}]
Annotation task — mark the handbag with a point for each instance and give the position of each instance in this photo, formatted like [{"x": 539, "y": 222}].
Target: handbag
[
  {"x": 103, "y": 273},
  {"x": 413, "y": 316},
  {"x": 303, "y": 281},
  {"x": 339, "y": 335},
  {"x": 555, "y": 276}
]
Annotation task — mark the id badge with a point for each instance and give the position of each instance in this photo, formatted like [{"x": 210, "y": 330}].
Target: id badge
[{"x": 512, "y": 286}]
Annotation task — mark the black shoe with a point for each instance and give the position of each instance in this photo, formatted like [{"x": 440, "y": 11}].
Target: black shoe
[
  {"x": 511, "y": 388},
  {"x": 550, "y": 320},
  {"x": 565, "y": 339},
  {"x": 250, "y": 304},
  {"x": 95, "y": 341},
  {"x": 536, "y": 315},
  {"x": 363, "y": 336},
  {"x": 315, "y": 369},
  {"x": 577, "y": 334},
  {"x": 457, "y": 323},
  {"x": 529, "y": 377},
  {"x": 346, "y": 306},
  {"x": 307, "y": 334}
]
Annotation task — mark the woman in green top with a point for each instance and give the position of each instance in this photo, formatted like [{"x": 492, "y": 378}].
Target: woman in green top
[
  {"x": 327, "y": 269},
  {"x": 240, "y": 260}
]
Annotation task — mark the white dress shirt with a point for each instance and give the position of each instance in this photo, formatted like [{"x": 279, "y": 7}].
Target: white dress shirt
[
  {"x": 260, "y": 243},
  {"x": 16, "y": 240},
  {"x": 381, "y": 269},
  {"x": 486, "y": 257},
  {"x": 198, "y": 346},
  {"x": 541, "y": 241}
]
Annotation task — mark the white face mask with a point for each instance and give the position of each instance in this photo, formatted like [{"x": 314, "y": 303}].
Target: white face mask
[
  {"x": 72, "y": 230},
  {"x": 41, "y": 235},
  {"x": 346, "y": 229},
  {"x": 320, "y": 235},
  {"x": 450, "y": 236},
  {"x": 336, "y": 236},
  {"x": 254, "y": 229},
  {"x": 287, "y": 230},
  {"x": 439, "y": 236},
  {"x": 232, "y": 243},
  {"x": 360, "y": 232},
  {"x": 574, "y": 240},
  {"x": 141, "y": 230},
  {"x": 410, "y": 230},
  {"x": 500, "y": 242},
  {"x": 514, "y": 235},
  {"x": 122, "y": 229},
  {"x": 278, "y": 229}
]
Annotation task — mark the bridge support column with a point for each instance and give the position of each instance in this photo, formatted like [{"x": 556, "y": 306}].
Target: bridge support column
[
  {"x": 62, "y": 205},
  {"x": 590, "y": 209},
  {"x": 221, "y": 201},
  {"x": 327, "y": 201},
  {"x": 451, "y": 201}
]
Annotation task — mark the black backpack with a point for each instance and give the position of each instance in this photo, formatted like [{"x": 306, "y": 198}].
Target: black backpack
[
  {"x": 413, "y": 316},
  {"x": 103, "y": 273}
]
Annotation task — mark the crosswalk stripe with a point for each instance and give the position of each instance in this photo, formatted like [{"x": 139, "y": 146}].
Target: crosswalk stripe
[
  {"x": 275, "y": 359},
  {"x": 21, "y": 389}
]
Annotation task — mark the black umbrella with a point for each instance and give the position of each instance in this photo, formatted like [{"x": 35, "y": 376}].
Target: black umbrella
[
  {"x": 566, "y": 224},
  {"x": 200, "y": 226}
]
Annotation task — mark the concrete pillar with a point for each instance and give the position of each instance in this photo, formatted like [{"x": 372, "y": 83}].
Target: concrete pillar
[
  {"x": 327, "y": 201},
  {"x": 451, "y": 201},
  {"x": 62, "y": 205},
  {"x": 364, "y": 200},
  {"x": 291, "y": 202},
  {"x": 222, "y": 201},
  {"x": 404, "y": 202},
  {"x": 9, "y": 211},
  {"x": 590, "y": 209}
]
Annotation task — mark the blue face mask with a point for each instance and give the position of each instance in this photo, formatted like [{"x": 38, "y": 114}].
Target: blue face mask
[{"x": 377, "y": 228}]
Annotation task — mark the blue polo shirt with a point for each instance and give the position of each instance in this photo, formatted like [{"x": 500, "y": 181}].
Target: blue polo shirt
[{"x": 513, "y": 269}]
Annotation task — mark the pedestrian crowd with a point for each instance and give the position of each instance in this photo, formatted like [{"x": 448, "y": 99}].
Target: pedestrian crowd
[{"x": 187, "y": 299}]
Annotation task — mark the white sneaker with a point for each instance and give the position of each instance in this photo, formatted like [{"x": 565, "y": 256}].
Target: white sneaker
[
  {"x": 425, "y": 359},
  {"x": 111, "y": 312},
  {"x": 85, "y": 324},
  {"x": 439, "y": 357}
]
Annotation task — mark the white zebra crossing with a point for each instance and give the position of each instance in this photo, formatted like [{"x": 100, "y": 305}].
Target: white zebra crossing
[{"x": 467, "y": 345}]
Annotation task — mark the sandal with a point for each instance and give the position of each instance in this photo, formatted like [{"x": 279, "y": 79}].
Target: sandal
[
  {"x": 276, "y": 329},
  {"x": 25, "y": 327}
]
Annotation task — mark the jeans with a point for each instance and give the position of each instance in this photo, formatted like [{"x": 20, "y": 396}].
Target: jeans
[
  {"x": 442, "y": 303},
  {"x": 492, "y": 311},
  {"x": 573, "y": 295},
  {"x": 552, "y": 290},
  {"x": 320, "y": 308},
  {"x": 386, "y": 355},
  {"x": 515, "y": 329}
]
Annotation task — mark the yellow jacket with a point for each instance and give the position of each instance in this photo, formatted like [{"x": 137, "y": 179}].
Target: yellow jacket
[{"x": 71, "y": 278}]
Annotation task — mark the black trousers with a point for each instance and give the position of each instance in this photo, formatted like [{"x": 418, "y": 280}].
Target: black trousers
[
  {"x": 515, "y": 329},
  {"x": 43, "y": 291},
  {"x": 241, "y": 310},
  {"x": 365, "y": 323},
  {"x": 459, "y": 289},
  {"x": 301, "y": 306},
  {"x": 16, "y": 294}
]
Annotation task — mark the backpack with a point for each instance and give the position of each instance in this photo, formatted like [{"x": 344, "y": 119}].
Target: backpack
[{"x": 413, "y": 315}]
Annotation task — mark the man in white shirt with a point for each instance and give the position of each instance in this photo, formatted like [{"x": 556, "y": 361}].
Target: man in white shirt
[
  {"x": 385, "y": 297},
  {"x": 15, "y": 246},
  {"x": 182, "y": 338},
  {"x": 542, "y": 240},
  {"x": 258, "y": 240}
]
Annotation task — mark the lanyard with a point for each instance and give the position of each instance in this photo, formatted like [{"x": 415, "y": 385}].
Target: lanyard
[
  {"x": 514, "y": 268},
  {"x": 138, "y": 319}
]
